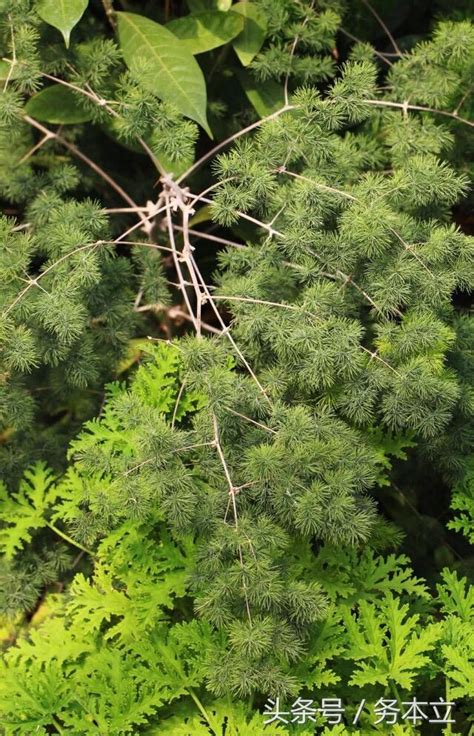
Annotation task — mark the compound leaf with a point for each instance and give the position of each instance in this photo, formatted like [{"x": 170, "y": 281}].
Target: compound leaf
[{"x": 24, "y": 511}]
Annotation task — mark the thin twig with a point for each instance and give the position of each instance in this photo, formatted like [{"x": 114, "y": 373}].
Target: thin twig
[
  {"x": 263, "y": 225},
  {"x": 13, "y": 60},
  {"x": 384, "y": 26},
  {"x": 95, "y": 167},
  {"x": 208, "y": 236},
  {"x": 110, "y": 13},
  {"x": 176, "y": 404},
  {"x": 283, "y": 170},
  {"x": 225, "y": 331},
  {"x": 105, "y": 104},
  {"x": 234, "y": 508},
  {"x": 252, "y": 421},
  {"x": 34, "y": 282},
  {"x": 178, "y": 197},
  {"x": 292, "y": 53},
  {"x": 179, "y": 273},
  {"x": 230, "y": 139},
  {"x": 359, "y": 40},
  {"x": 421, "y": 108}
]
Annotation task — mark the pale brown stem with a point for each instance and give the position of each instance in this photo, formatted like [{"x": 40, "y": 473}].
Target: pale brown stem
[
  {"x": 74, "y": 150},
  {"x": 234, "y": 508},
  {"x": 420, "y": 108},
  {"x": 230, "y": 139},
  {"x": 179, "y": 273}
]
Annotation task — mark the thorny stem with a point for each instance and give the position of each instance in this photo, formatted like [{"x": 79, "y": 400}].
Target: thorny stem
[
  {"x": 234, "y": 508},
  {"x": 381, "y": 56},
  {"x": 78, "y": 153},
  {"x": 177, "y": 264},
  {"x": 421, "y": 108}
]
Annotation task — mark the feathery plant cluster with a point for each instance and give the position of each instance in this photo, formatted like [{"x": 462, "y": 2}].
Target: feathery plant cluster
[{"x": 236, "y": 353}]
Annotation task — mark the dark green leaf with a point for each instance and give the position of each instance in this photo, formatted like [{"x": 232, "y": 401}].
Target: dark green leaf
[
  {"x": 250, "y": 41},
  {"x": 266, "y": 97},
  {"x": 205, "y": 31},
  {"x": 163, "y": 65},
  {"x": 57, "y": 104}
]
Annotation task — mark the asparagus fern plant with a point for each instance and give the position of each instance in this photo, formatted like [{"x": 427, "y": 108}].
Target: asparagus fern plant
[{"x": 267, "y": 214}]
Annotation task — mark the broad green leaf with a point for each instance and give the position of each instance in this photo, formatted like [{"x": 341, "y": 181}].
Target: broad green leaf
[
  {"x": 250, "y": 41},
  {"x": 57, "y": 104},
  {"x": 163, "y": 65},
  {"x": 200, "y": 6},
  {"x": 205, "y": 31},
  {"x": 62, "y": 14},
  {"x": 266, "y": 97}
]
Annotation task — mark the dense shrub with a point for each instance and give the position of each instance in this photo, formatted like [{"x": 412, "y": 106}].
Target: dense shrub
[{"x": 261, "y": 509}]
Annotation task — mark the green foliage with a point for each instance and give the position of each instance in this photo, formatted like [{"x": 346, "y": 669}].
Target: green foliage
[
  {"x": 463, "y": 503},
  {"x": 163, "y": 66},
  {"x": 63, "y": 14},
  {"x": 262, "y": 512},
  {"x": 25, "y": 511},
  {"x": 206, "y": 31},
  {"x": 123, "y": 650},
  {"x": 57, "y": 104},
  {"x": 249, "y": 42}
]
